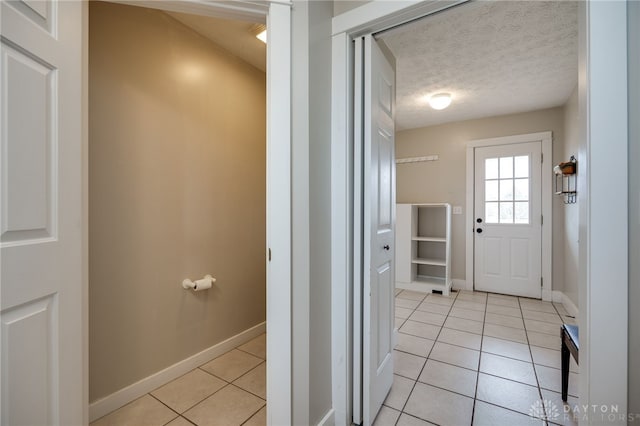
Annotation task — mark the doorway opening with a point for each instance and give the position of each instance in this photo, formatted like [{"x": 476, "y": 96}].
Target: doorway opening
[
  {"x": 433, "y": 156},
  {"x": 177, "y": 190},
  {"x": 510, "y": 202}
]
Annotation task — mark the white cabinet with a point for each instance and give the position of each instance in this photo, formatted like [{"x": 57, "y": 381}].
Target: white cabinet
[{"x": 423, "y": 247}]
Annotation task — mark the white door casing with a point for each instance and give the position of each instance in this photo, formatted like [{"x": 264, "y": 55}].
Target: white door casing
[
  {"x": 280, "y": 348},
  {"x": 379, "y": 218},
  {"x": 546, "y": 142},
  {"x": 508, "y": 226},
  {"x": 358, "y": 237},
  {"x": 41, "y": 170}
]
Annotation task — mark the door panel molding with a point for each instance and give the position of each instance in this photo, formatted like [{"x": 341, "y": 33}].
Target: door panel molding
[{"x": 29, "y": 148}]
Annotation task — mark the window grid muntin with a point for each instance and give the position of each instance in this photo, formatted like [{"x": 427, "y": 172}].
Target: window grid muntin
[{"x": 507, "y": 189}]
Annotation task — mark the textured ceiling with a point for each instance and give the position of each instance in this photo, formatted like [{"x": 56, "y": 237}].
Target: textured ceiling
[
  {"x": 237, "y": 37},
  {"x": 494, "y": 57}
]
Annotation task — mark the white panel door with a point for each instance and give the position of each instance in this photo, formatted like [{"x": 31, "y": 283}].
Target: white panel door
[
  {"x": 508, "y": 219},
  {"x": 41, "y": 213},
  {"x": 379, "y": 219}
]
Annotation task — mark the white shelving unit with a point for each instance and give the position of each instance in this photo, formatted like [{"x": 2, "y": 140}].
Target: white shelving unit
[{"x": 423, "y": 247}]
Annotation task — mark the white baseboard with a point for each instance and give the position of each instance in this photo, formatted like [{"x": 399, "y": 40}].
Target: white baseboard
[
  {"x": 124, "y": 396},
  {"x": 460, "y": 285},
  {"x": 560, "y": 297},
  {"x": 329, "y": 419}
]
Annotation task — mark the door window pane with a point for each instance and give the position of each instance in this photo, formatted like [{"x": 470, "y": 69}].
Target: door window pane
[
  {"x": 506, "y": 167},
  {"x": 522, "y": 212},
  {"x": 521, "y": 189},
  {"x": 491, "y": 190},
  {"x": 491, "y": 213},
  {"x": 521, "y": 164},
  {"x": 506, "y": 189},
  {"x": 506, "y": 212},
  {"x": 491, "y": 168}
]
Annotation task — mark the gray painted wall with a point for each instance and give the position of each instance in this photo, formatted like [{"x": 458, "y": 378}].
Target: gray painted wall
[
  {"x": 634, "y": 206},
  {"x": 320, "y": 391},
  {"x": 300, "y": 210}
]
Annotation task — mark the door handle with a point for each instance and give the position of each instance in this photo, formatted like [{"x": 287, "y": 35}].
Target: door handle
[
  {"x": 479, "y": 230},
  {"x": 479, "y": 220},
  {"x": 386, "y": 247}
]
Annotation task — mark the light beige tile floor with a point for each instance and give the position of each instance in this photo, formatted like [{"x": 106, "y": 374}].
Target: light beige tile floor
[
  {"x": 478, "y": 359},
  {"x": 229, "y": 390},
  {"x": 467, "y": 359}
]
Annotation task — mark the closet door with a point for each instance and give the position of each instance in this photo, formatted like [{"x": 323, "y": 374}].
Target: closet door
[
  {"x": 41, "y": 244},
  {"x": 378, "y": 271}
]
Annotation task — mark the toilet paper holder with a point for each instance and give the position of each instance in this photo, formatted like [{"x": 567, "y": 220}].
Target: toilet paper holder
[{"x": 198, "y": 285}]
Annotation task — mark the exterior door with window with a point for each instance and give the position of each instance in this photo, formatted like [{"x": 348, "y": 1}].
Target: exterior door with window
[{"x": 508, "y": 219}]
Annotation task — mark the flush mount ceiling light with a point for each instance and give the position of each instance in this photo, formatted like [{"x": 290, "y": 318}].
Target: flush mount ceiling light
[{"x": 440, "y": 101}]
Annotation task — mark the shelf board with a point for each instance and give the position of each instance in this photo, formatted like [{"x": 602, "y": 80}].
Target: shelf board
[
  {"x": 432, "y": 239},
  {"x": 435, "y": 262}
]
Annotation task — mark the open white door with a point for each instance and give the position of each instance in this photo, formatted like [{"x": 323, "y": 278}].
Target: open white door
[
  {"x": 378, "y": 182},
  {"x": 41, "y": 214}
]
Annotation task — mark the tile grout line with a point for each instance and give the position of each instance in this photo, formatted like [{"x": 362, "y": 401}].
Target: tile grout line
[
  {"x": 253, "y": 415},
  {"x": 226, "y": 384},
  {"x": 244, "y": 374},
  {"x": 394, "y": 373},
  {"x": 426, "y": 359},
  {"x": 533, "y": 366},
  {"x": 246, "y": 352},
  {"x": 475, "y": 394},
  {"x": 484, "y": 323},
  {"x": 425, "y": 363},
  {"x": 177, "y": 414}
]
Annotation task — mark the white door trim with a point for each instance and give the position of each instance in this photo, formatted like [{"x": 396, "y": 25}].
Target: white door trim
[
  {"x": 603, "y": 281},
  {"x": 277, "y": 14},
  {"x": 342, "y": 196},
  {"x": 378, "y": 15},
  {"x": 547, "y": 228}
]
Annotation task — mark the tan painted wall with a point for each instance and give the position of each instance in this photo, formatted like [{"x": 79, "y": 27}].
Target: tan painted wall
[
  {"x": 177, "y": 189},
  {"x": 570, "y": 211},
  {"x": 445, "y": 180}
]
